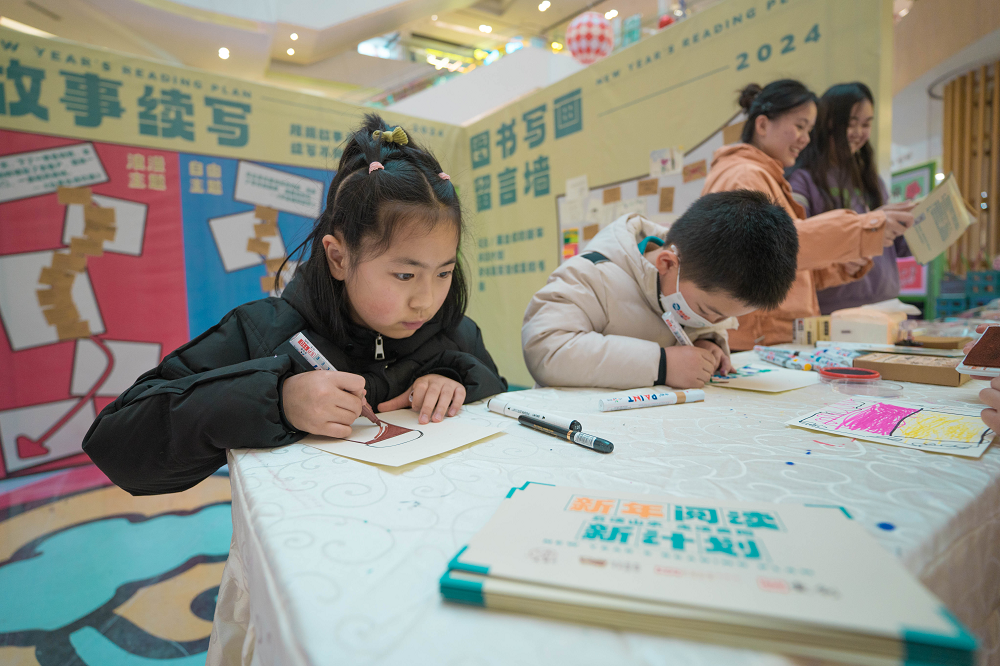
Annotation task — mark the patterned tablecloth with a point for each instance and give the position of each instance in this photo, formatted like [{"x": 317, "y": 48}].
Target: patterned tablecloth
[{"x": 337, "y": 562}]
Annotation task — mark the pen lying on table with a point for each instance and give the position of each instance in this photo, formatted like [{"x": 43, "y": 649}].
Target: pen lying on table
[{"x": 575, "y": 436}]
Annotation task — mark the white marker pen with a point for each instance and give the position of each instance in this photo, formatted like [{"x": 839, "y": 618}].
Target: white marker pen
[
  {"x": 502, "y": 406},
  {"x": 653, "y": 399}
]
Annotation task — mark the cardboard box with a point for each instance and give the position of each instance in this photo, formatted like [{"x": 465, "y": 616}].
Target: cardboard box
[
  {"x": 936, "y": 342},
  {"x": 809, "y": 330},
  {"x": 918, "y": 369}
]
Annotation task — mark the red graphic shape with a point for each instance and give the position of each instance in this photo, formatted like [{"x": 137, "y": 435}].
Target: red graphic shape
[
  {"x": 28, "y": 448},
  {"x": 387, "y": 431}
]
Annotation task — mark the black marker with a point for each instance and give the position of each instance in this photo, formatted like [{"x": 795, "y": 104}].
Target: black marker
[{"x": 583, "y": 439}]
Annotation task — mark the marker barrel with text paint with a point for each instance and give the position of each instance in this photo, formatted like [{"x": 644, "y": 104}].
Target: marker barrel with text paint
[
  {"x": 505, "y": 408},
  {"x": 659, "y": 399},
  {"x": 790, "y": 362}
]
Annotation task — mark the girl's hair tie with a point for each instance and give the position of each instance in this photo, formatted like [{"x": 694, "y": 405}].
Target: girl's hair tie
[
  {"x": 375, "y": 166},
  {"x": 396, "y": 135},
  {"x": 444, "y": 176}
]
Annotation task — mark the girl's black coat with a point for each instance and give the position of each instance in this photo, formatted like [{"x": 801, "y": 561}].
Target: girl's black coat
[{"x": 222, "y": 390}]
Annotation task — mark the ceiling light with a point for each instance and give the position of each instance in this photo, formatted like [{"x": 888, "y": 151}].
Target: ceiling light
[
  {"x": 290, "y": 51},
  {"x": 556, "y": 46},
  {"x": 545, "y": 5},
  {"x": 224, "y": 53},
  {"x": 294, "y": 36},
  {"x": 486, "y": 28},
  {"x": 434, "y": 17},
  {"x": 939, "y": 177},
  {"x": 21, "y": 27},
  {"x": 611, "y": 14}
]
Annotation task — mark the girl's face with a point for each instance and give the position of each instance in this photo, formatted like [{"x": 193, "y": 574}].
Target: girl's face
[
  {"x": 859, "y": 129},
  {"x": 396, "y": 292},
  {"x": 787, "y": 135}
]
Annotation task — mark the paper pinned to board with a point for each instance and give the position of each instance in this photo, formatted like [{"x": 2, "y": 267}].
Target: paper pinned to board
[
  {"x": 403, "y": 440},
  {"x": 73, "y": 195},
  {"x": 611, "y": 195},
  {"x": 666, "y": 162},
  {"x": 938, "y": 221},
  {"x": 666, "y": 200},
  {"x": 577, "y": 188},
  {"x": 768, "y": 379},
  {"x": 695, "y": 171},
  {"x": 957, "y": 430},
  {"x": 648, "y": 187}
]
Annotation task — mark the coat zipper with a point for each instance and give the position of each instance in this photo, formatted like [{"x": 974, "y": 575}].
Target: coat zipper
[{"x": 379, "y": 350}]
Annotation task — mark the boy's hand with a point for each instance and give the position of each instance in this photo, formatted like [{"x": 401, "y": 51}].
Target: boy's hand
[
  {"x": 433, "y": 395},
  {"x": 723, "y": 365},
  {"x": 689, "y": 367},
  {"x": 323, "y": 402}
]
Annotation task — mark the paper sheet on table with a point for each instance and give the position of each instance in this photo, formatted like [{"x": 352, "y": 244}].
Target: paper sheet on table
[
  {"x": 412, "y": 443},
  {"x": 769, "y": 379},
  {"x": 940, "y": 428},
  {"x": 939, "y": 220}
]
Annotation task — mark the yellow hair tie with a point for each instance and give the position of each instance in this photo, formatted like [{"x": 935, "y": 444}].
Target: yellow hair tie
[{"x": 392, "y": 136}]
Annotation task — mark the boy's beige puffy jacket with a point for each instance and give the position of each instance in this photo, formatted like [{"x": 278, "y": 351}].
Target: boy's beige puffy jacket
[{"x": 599, "y": 324}]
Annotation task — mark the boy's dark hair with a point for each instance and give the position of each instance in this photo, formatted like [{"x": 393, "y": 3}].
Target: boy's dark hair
[
  {"x": 738, "y": 242},
  {"x": 773, "y": 100},
  {"x": 366, "y": 210},
  {"x": 819, "y": 158}
]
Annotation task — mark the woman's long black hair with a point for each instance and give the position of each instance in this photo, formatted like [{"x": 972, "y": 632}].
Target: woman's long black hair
[
  {"x": 366, "y": 210},
  {"x": 828, "y": 151}
]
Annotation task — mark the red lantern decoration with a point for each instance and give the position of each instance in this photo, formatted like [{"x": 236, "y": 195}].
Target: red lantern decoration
[
  {"x": 590, "y": 37},
  {"x": 666, "y": 20}
]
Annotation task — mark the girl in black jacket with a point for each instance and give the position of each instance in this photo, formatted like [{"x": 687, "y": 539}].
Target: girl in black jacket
[{"x": 381, "y": 294}]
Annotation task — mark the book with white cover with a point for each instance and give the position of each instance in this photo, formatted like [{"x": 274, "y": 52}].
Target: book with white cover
[{"x": 802, "y": 580}]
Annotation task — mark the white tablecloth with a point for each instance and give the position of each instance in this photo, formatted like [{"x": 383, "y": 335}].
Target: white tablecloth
[{"x": 337, "y": 562}]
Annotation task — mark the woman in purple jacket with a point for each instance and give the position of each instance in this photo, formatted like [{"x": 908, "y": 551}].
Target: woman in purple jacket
[{"x": 837, "y": 170}]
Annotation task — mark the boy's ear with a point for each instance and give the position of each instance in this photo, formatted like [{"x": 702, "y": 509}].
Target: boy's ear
[
  {"x": 665, "y": 260},
  {"x": 336, "y": 257}
]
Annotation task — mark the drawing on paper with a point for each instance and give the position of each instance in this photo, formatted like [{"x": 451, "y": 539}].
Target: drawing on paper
[
  {"x": 383, "y": 437},
  {"x": 739, "y": 373},
  {"x": 945, "y": 429}
]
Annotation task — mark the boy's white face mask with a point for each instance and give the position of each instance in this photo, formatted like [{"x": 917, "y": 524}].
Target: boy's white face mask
[{"x": 676, "y": 304}]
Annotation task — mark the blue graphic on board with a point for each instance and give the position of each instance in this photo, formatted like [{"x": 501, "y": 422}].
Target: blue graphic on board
[{"x": 230, "y": 254}]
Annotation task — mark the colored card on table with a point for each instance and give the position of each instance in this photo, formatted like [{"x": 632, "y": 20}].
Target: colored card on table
[
  {"x": 769, "y": 379},
  {"x": 958, "y": 430},
  {"x": 404, "y": 440}
]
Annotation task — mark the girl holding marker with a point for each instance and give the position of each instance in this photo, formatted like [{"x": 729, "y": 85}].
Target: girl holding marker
[
  {"x": 837, "y": 170},
  {"x": 381, "y": 296},
  {"x": 834, "y": 247}
]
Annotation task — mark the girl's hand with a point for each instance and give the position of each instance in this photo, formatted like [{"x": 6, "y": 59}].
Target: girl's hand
[
  {"x": 432, "y": 395},
  {"x": 323, "y": 402},
  {"x": 896, "y": 222}
]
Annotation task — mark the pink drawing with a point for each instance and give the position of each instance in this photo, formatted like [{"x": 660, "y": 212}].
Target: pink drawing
[{"x": 880, "y": 419}]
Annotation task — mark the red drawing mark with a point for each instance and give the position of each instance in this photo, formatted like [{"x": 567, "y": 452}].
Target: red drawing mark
[
  {"x": 387, "y": 431},
  {"x": 32, "y": 448}
]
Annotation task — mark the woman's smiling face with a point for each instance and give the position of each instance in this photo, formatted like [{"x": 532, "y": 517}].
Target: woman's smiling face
[{"x": 784, "y": 137}]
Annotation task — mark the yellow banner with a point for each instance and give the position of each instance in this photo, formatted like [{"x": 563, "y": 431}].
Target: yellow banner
[
  {"x": 52, "y": 86},
  {"x": 676, "y": 89}
]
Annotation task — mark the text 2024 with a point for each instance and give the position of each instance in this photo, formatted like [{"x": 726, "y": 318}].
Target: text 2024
[{"x": 765, "y": 51}]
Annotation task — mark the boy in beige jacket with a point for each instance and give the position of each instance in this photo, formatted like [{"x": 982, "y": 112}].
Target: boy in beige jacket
[{"x": 599, "y": 319}]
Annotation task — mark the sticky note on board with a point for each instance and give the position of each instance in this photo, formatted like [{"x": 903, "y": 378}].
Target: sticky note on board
[
  {"x": 732, "y": 133},
  {"x": 577, "y": 188},
  {"x": 101, "y": 234},
  {"x": 590, "y": 231},
  {"x": 695, "y": 171},
  {"x": 266, "y": 214},
  {"x": 61, "y": 315},
  {"x": 273, "y": 264},
  {"x": 69, "y": 262},
  {"x": 54, "y": 296},
  {"x": 56, "y": 277},
  {"x": 258, "y": 246},
  {"x": 648, "y": 186},
  {"x": 267, "y": 283},
  {"x": 611, "y": 195},
  {"x": 96, "y": 216},
  {"x": 666, "y": 200},
  {"x": 265, "y": 229},
  {"x": 87, "y": 246},
  {"x": 73, "y": 195},
  {"x": 78, "y": 329}
]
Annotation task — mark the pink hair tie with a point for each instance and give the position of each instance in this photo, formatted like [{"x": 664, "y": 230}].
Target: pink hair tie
[
  {"x": 444, "y": 176},
  {"x": 374, "y": 166}
]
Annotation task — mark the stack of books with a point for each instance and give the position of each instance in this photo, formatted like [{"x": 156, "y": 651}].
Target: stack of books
[{"x": 799, "y": 580}]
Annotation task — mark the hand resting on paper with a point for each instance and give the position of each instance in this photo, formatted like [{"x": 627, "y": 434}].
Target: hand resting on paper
[
  {"x": 690, "y": 367},
  {"x": 990, "y": 396},
  {"x": 723, "y": 364},
  {"x": 432, "y": 395},
  {"x": 323, "y": 402}
]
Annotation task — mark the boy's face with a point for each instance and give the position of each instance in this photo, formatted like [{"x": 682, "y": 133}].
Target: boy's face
[{"x": 712, "y": 305}]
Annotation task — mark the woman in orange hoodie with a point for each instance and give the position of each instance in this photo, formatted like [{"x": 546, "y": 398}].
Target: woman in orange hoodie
[{"x": 835, "y": 247}]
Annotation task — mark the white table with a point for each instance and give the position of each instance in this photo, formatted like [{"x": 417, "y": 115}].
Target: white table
[{"x": 337, "y": 562}]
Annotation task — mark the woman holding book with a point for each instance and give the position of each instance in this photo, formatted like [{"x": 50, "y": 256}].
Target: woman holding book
[{"x": 837, "y": 170}]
